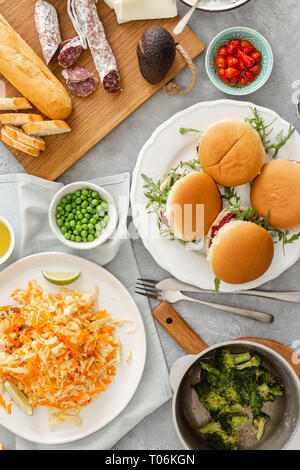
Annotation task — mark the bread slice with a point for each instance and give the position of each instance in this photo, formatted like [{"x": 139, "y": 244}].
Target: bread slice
[
  {"x": 14, "y": 104},
  {"x": 19, "y": 135},
  {"x": 46, "y": 128},
  {"x": 19, "y": 145},
  {"x": 19, "y": 119}
]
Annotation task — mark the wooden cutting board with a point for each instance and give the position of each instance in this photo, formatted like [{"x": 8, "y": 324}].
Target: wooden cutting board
[{"x": 93, "y": 117}]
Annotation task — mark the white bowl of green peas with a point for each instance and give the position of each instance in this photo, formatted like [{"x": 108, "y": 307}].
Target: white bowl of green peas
[{"x": 83, "y": 215}]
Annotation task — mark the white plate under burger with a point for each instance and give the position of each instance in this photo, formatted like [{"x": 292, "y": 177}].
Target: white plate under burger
[
  {"x": 164, "y": 150},
  {"x": 116, "y": 300}
]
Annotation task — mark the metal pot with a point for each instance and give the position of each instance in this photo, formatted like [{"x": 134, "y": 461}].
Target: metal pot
[{"x": 281, "y": 431}]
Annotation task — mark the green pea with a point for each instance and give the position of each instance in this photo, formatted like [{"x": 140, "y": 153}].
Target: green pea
[
  {"x": 93, "y": 221},
  {"x": 84, "y": 204},
  {"x": 67, "y": 236},
  {"x": 94, "y": 202},
  {"x": 101, "y": 213},
  {"x": 84, "y": 234},
  {"x": 78, "y": 228},
  {"x": 59, "y": 222},
  {"x": 78, "y": 238},
  {"x": 84, "y": 239},
  {"x": 68, "y": 197},
  {"x": 85, "y": 226},
  {"x": 67, "y": 224},
  {"x": 75, "y": 232},
  {"x": 59, "y": 208},
  {"x": 78, "y": 200},
  {"x": 103, "y": 223},
  {"x": 104, "y": 204},
  {"x": 85, "y": 192},
  {"x": 95, "y": 194},
  {"x": 80, "y": 216},
  {"x": 78, "y": 193},
  {"x": 64, "y": 229},
  {"x": 106, "y": 218},
  {"x": 98, "y": 227},
  {"x": 84, "y": 220},
  {"x": 72, "y": 223},
  {"x": 83, "y": 211},
  {"x": 68, "y": 208},
  {"x": 90, "y": 238},
  {"x": 73, "y": 238},
  {"x": 91, "y": 226},
  {"x": 89, "y": 209},
  {"x": 71, "y": 216}
]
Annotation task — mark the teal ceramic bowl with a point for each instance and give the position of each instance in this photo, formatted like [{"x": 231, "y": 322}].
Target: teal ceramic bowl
[{"x": 261, "y": 44}]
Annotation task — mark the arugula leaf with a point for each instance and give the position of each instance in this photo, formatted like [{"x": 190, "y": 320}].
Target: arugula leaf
[
  {"x": 265, "y": 131},
  {"x": 217, "y": 284},
  {"x": 184, "y": 131}
]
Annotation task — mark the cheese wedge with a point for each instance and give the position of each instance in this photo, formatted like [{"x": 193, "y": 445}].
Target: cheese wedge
[{"x": 128, "y": 10}]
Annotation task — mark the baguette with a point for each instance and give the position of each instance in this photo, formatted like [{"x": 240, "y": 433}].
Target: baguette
[
  {"x": 14, "y": 104},
  {"x": 46, "y": 128},
  {"x": 21, "y": 66},
  {"x": 18, "y": 145},
  {"x": 19, "y": 119},
  {"x": 17, "y": 134}
]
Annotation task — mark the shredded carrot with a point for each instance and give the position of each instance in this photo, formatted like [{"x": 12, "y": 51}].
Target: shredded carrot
[{"x": 60, "y": 350}]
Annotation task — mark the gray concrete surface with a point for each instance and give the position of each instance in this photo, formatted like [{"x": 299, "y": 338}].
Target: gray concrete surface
[{"x": 278, "y": 21}]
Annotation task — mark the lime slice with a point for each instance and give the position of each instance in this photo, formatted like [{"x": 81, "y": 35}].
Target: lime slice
[
  {"x": 18, "y": 397},
  {"x": 60, "y": 279}
]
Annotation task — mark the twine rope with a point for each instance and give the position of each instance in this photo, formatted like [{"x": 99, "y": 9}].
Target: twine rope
[{"x": 172, "y": 88}]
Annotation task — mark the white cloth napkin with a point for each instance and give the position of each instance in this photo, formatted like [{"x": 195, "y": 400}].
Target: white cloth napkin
[{"x": 24, "y": 202}]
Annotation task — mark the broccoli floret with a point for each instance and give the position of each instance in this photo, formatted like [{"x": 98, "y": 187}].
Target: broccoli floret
[
  {"x": 264, "y": 376},
  {"x": 253, "y": 362},
  {"x": 240, "y": 358},
  {"x": 214, "y": 402},
  {"x": 209, "y": 368},
  {"x": 224, "y": 360},
  {"x": 229, "y": 422},
  {"x": 230, "y": 393},
  {"x": 259, "y": 423},
  {"x": 276, "y": 390},
  {"x": 209, "y": 378},
  {"x": 222, "y": 441},
  {"x": 219, "y": 439},
  {"x": 236, "y": 408},
  {"x": 210, "y": 397},
  {"x": 270, "y": 393}
]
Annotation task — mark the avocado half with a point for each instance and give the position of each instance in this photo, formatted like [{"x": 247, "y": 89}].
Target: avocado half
[{"x": 156, "y": 52}]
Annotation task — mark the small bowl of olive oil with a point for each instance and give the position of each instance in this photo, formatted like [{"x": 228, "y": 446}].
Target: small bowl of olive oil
[{"x": 7, "y": 240}]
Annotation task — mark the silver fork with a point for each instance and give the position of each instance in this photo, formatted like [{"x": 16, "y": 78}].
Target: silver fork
[{"x": 147, "y": 287}]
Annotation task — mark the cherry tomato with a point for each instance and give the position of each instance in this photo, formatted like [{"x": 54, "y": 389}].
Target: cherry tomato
[
  {"x": 222, "y": 73},
  {"x": 245, "y": 43},
  {"x": 256, "y": 56},
  {"x": 249, "y": 76},
  {"x": 246, "y": 59},
  {"x": 221, "y": 63},
  {"x": 255, "y": 69},
  {"x": 236, "y": 42},
  {"x": 232, "y": 61},
  {"x": 241, "y": 66},
  {"x": 222, "y": 52},
  {"x": 235, "y": 79},
  {"x": 244, "y": 81},
  {"x": 248, "y": 49},
  {"x": 232, "y": 49},
  {"x": 231, "y": 72}
]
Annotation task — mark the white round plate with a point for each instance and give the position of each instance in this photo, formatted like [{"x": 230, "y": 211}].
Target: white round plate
[
  {"x": 216, "y": 5},
  {"x": 114, "y": 298},
  {"x": 165, "y": 148}
]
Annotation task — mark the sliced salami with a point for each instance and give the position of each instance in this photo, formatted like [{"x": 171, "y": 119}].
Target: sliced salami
[
  {"x": 94, "y": 33},
  {"x": 77, "y": 74},
  {"x": 47, "y": 27},
  {"x": 69, "y": 52},
  {"x": 83, "y": 88}
]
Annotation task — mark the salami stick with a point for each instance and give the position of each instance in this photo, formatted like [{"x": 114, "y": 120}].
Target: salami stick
[
  {"x": 47, "y": 27},
  {"x": 69, "y": 52},
  {"x": 94, "y": 33}
]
